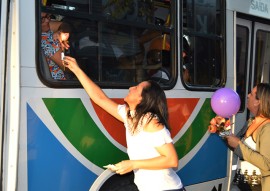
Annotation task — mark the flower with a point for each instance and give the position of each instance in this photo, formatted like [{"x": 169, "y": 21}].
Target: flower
[{"x": 220, "y": 125}]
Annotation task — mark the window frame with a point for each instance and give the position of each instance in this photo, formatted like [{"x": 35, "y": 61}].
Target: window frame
[
  {"x": 121, "y": 85},
  {"x": 221, "y": 37}
]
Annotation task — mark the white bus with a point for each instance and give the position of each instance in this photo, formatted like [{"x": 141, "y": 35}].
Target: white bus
[{"x": 54, "y": 138}]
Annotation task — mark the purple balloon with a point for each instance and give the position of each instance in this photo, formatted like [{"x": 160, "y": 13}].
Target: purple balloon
[{"x": 225, "y": 102}]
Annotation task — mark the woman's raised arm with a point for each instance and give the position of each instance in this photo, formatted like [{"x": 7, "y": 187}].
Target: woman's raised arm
[{"x": 93, "y": 90}]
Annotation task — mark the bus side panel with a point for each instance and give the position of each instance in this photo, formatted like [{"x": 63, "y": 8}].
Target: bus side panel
[
  {"x": 50, "y": 165},
  {"x": 69, "y": 140}
]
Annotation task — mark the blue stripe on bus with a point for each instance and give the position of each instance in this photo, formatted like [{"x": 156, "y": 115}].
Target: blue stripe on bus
[
  {"x": 50, "y": 165},
  {"x": 208, "y": 164}
]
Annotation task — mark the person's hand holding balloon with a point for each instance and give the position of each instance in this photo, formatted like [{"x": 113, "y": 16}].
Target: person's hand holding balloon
[
  {"x": 225, "y": 102},
  {"x": 220, "y": 125}
]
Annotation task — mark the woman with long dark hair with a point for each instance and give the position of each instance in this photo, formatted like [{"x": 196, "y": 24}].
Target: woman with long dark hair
[{"x": 149, "y": 144}]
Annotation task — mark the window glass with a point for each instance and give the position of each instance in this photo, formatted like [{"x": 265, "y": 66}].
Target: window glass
[
  {"x": 203, "y": 43},
  {"x": 0, "y": 12},
  {"x": 116, "y": 43},
  {"x": 241, "y": 63},
  {"x": 262, "y": 57}
]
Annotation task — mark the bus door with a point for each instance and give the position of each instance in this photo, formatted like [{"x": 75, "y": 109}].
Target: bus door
[
  {"x": 252, "y": 61},
  {"x": 252, "y": 65},
  {"x": 243, "y": 46}
]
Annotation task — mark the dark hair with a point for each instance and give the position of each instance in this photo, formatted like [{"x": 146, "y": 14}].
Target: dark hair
[
  {"x": 186, "y": 47},
  {"x": 153, "y": 101},
  {"x": 263, "y": 94},
  {"x": 65, "y": 28}
]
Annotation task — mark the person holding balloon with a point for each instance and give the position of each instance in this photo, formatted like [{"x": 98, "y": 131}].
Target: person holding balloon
[{"x": 252, "y": 143}]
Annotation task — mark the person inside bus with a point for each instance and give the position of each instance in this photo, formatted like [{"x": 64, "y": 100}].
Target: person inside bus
[
  {"x": 54, "y": 38},
  {"x": 251, "y": 144},
  {"x": 152, "y": 155},
  {"x": 186, "y": 74},
  {"x": 159, "y": 53},
  {"x": 186, "y": 62},
  {"x": 158, "y": 58}
]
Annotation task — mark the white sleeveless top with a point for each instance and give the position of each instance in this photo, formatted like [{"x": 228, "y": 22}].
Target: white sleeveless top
[
  {"x": 142, "y": 146},
  {"x": 244, "y": 165}
]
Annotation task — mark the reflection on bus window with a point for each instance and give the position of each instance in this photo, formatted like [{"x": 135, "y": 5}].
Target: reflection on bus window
[
  {"x": 203, "y": 21},
  {"x": 118, "y": 43},
  {"x": 262, "y": 70},
  {"x": 241, "y": 63}
]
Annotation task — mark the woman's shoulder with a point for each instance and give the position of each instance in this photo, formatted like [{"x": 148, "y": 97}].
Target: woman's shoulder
[
  {"x": 266, "y": 126},
  {"x": 122, "y": 110},
  {"x": 154, "y": 126},
  {"x": 264, "y": 129},
  {"x": 46, "y": 35},
  {"x": 158, "y": 134}
]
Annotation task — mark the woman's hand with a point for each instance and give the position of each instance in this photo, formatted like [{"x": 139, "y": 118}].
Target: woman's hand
[
  {"x": 71, "y": 63},
  {"x": 232, "y": 141},
  {"x": 124, "y": 167},
  {"x": 62, "y": 38}
]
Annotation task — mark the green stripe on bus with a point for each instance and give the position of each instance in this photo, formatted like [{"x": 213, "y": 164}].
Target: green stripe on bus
[
  {"x": 196, "y": 131},
  {"x": 79, "y": 128}
]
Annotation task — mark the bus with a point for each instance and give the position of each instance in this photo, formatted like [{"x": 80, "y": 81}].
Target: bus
[{"x": 53, "y": 137}]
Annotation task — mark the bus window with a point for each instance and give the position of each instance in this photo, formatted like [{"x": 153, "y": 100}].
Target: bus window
[
  {"x": 203, "y": 29},
  {"x": 262, "y": 57},
  {"x": 0, "y": 12},
  {"x": 115, "y": 43},
  {"x": 241, "y": 63}
]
